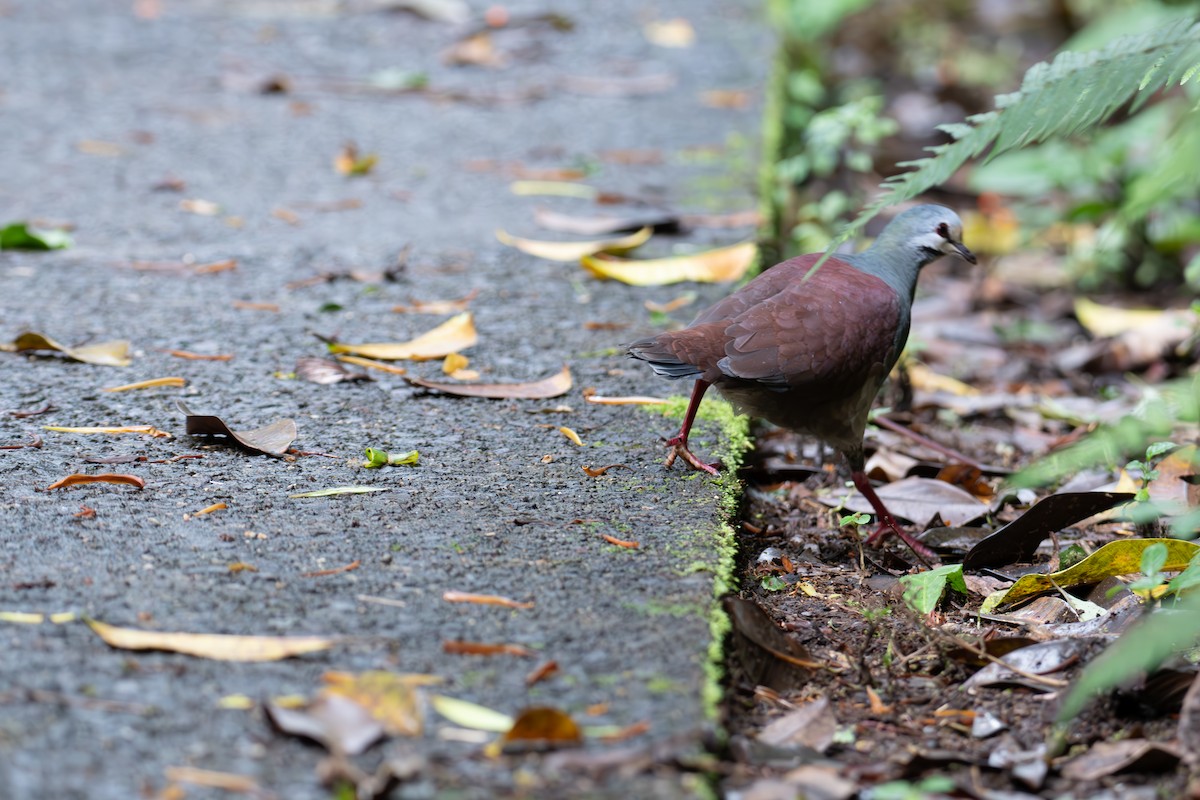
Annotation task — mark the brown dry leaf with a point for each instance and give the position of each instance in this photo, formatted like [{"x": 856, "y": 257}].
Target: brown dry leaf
[
  {"x": 391, "y": 698},
  {"x": 712, "y": 266},
  {"x": 246, "y": 305},
  {"x": 632, "y": 545},
  {"x": 726, "y": 98},
  {"x": 105, "y": 354},
  {"x": 573, "y": 251},
  {"x": 216, "y": 646},
  {"x": 554, "y": 386},
  {"x": 325, "y": 372},
  {"x": 148, "y": 430},
  {"x": 483, "y": 599},
  {"x": 350, "y": 162},
  {"x": 456, "y": 333},
  {"x": 241, "y": 566},
  {"x": 541, "y": 728},
  {"x": 458, "y": 647},
  {"x": 272, "y": 440},
  {"x": 596, "y": 472},
  {"x": 630, "y": 400},
  {"x": 321, "y": 573},
  {"x": 79, "y": 479},
  {"x": 94, "y": 147},
  {"x": 338, "y": 723},
  {"x": 438, "y": 306},
  {"x": 541, "y": 673},
  {"x": 149, "y": 384},
  {"x": 213, "y": 267},
  {"x": 919, "y": 500},
  {"x": 476, "y": 50},
  {"x": 190, "y": 356},
  {"x": 631, "y": 157}
]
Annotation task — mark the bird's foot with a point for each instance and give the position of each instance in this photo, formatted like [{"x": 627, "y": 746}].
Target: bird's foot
[
  {"x": 679, "y": 449},
  {"x": 889, "y": 526}
]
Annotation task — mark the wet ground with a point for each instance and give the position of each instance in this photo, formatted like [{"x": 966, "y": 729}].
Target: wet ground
[{"x": 173, "y": 137}]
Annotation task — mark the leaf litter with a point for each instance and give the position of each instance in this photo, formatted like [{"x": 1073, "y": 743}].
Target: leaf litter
[
  {"x": 272, "y": 440},
  {"x": 455, "y": 334}
]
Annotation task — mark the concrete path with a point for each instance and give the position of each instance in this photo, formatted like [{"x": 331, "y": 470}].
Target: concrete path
[{"x": 149, "y": 128}]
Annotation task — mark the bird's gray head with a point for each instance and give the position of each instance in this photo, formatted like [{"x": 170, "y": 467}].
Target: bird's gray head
[{"x": 927, "y": 232}]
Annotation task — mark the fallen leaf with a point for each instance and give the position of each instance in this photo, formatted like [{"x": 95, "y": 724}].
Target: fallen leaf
[
  {"x": 1115, "y": 558},
  {"x": 541, "y": 672},
  {"x": 189, "y": 355},
  {"x": 676, "y": 32},
  {"x": 216, "y": 646},
  {"x": 572, "y": 435},
  {"x": 541, "y": 728},
  {"x": 1102, "y": 320},
  {"x": 554, "y": 189},
  {"x": 149, "y": 384},
  {"x": 712, "y": 266},
  {"x": 78, "y": 479},
  {"x": 726, "y": 98},
  {"x": 683, "y": 301},
  {"x": 554, "y": 386},
  {"x": 204, "y": 208},
  {"x": 369, "y": 364},
  {"x": 1104, "y": 759},
  {"x": 438, "y": 306},
  {"x": 919, "y": 500},
  {"x": 619, "y": 542},
  {"x": 456, "y": 333},
  {"x": 210, "y": 509},
  {"x": 339, "y": 490},
  {"x": 105, "y": 354},
  {"x": 148, "y": 430},
  {"x": 471, "y": 715},
  {"x": 213, "y": 267},
  {"x": 483, "y": 599},
  {"x": 241, "y": 566},
  {"x": 245, "y": 305},
  {"x": 633, "y": 400},
  {"x": 455, "y": 362},
  {"x": 22, "y": 236},
  {"x": 1019, "y": 539},
  {"x": 272, "y": 440},
  {"x": 603, "y": 225},
  {"x": 211, "y": 779},
  {"x": 458, "y": 647},
  {"x": 390, "y": 698},
  {"x": 326, "y": 372},
  {"x": 338, "y": 723},
  {"x": 573, "y": 251},
  {"x": 382, "y": 458},
  {"x": 454, "y": 12},
  {"x": 596, "y": 472},
  {"x": 22, "y": 617},
  {"x": 351, "y": 163},
  {"x": 321, "y": 573},
  {"x": 95, "y": 147}
]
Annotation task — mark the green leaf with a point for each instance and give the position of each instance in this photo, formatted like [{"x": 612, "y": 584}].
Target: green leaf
[
  {"x": 21, "y": 236},
  {"x": 923, "y": 591},
  {"x": 1153, "y": 559},
  {"x": 382, "y": 458},
  {"x": 773, "y": 583}
]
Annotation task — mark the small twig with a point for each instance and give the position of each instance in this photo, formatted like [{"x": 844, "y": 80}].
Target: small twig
[{"x": 925, "y": 441}]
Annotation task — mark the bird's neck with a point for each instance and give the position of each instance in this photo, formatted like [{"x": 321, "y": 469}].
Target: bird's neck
[{"x": 897, "y": 266}]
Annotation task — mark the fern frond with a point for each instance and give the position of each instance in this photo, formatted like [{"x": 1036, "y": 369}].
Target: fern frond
[{"x": 1071, "y": 94}]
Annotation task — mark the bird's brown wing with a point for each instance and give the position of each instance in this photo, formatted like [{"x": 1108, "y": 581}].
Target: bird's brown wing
[
  {"x": 771, "y": 282},
  {"x": 829, "y": 333}
]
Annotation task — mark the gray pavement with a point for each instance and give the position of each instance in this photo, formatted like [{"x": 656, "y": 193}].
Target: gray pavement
[{"x": 99, "y": 108}]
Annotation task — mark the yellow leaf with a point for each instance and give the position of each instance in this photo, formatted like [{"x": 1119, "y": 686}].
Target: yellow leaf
[
  {"x": 572, "y": 435},
  {"x": 390, "y": 698},
  {"x": 22, "y": 617},
  {"x": 107, "y": 354},
  {"x": 922, "y": 377},
  {"x": 369, "y": 364},
  {"x": 676, "y": 32},
  {"x": 1100, "y": 320},
  {"x": 149, "y": 430},
  {"x": 455, "y": 362},
  {"x": 1115, "y": 558},
  {"x": 236, "y": 702},
  {"x": 573, "y": 251},
  {"x": 712, "y": 266},
  {"x": 456, "y": 333},
  {"x": 220, "y": 647},
  {"x": 554, "y": 189},
  {"x": 471, "y": 715},
  {"x": 173, "y": 381}
]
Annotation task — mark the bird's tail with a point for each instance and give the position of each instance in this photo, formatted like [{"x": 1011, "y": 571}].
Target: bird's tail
[{"x": 657, "y": 354}]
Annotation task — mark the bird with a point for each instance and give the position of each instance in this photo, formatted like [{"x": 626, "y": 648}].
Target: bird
[{"x": 808, "y": 350}]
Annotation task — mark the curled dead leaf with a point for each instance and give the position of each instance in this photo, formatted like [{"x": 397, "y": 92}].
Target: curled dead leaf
[
  {"x": 458, "y": 647},
  {"x": 483, "y": 599},
  {"x": 554, "y": 386},
  {"x": 79, "y": 479},
  {"x": 272, "y": 440},
  {"x": 326, "y": 372},
  {"x": 712, "y": 266},
  {"x": 541, "y": 728},
  {"x": 596, "y": 472},
  {"x": 620, "y": 542},
  {"x": 149, "y": 384}
]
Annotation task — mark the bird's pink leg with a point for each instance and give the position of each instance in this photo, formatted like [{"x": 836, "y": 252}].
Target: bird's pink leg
[
  {"x": 679, "y": 442},
  {"x": 887, "y": 523}
]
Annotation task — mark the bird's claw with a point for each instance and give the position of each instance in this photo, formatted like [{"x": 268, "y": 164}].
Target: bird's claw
[{"x": 679, "y": 449}]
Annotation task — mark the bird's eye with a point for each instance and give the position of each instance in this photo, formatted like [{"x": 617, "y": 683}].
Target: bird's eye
[{"x": 943, "y": 230}]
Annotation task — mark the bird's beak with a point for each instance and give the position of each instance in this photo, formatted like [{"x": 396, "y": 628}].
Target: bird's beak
[{"x": 964, "y": 252}]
